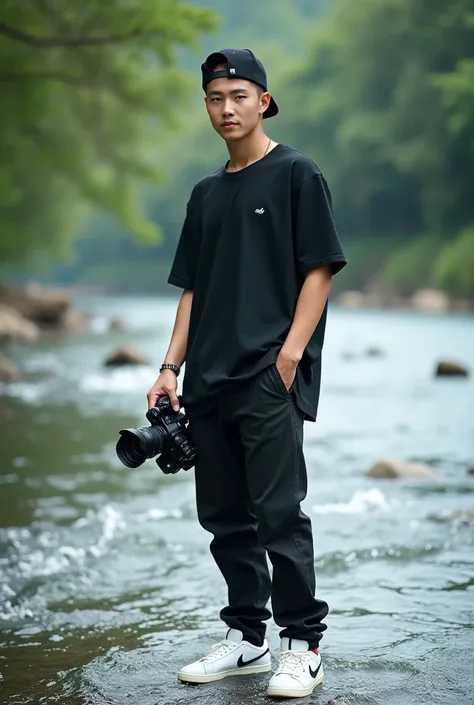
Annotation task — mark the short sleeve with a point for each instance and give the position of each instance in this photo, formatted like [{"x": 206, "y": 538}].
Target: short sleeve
[
  {"x": 183, "y": 269},
  {"x": 316, "y": 240}
]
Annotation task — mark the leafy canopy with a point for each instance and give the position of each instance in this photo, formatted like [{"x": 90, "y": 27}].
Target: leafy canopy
[{"x": 88, "y": 89}]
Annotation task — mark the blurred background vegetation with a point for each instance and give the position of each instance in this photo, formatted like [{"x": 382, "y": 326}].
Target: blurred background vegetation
[{"x": 103, "y": 132}]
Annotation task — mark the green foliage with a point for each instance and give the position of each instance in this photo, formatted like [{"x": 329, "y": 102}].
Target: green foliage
[
  {"x": 454, "y": 267},
  {"x": 252, "y": 24},
  {"x": 379, "y": 92},
  {"x": 367, "y": 257},
  {"x": 457, "y": 89},
  {"x": 383, "y": 101},
  {"x": 410, "y": 266},
  {"x": 87, "y": 88}
]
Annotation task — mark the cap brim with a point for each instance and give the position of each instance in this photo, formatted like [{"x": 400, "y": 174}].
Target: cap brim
[{"x": 272, "y": 110}]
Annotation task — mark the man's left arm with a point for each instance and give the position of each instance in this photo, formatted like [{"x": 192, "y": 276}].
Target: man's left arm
[
  {"x": 309, "y": 309},
  {"x": 318, "y": 255}
]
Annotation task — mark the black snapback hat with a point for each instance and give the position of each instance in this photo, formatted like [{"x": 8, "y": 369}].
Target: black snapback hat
[{"x": 241, "y": 63}]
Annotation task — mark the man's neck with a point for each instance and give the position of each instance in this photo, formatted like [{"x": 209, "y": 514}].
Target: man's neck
[{"x": 250, "y": 149}]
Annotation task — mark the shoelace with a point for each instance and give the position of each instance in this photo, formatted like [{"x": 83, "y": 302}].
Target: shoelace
[
  {"x": 292, "y": 662},
  {"x": 220, "y": 649}
]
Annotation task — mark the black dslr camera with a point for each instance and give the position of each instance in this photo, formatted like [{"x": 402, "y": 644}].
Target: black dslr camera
[{"x": 167, "y": 436}]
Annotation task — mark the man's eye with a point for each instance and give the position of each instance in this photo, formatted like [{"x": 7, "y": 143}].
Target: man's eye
[{"x": 241, "y": 96}]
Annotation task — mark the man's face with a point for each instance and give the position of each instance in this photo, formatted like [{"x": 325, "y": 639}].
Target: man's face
[{"x": 235, "y": 106}]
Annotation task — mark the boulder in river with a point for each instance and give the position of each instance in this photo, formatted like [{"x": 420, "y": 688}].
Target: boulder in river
[
  {"x": 470, "y": 470},
  {"x": 8, "y": 371},
  {"x": 45, "y": 307},
  {"x": 459, "y": 516},
  {"x": 76, "y": 321},
  {"x": 430, "y": 301},
  {"x": 450, "y": 368},
  {"x": 126, "y": 356},
  {"x": 15, "y": 327},
  {"x": 374, "y": 351},
  {"x": 399, "y": 469},
  {"x": 117, "y": 324}
]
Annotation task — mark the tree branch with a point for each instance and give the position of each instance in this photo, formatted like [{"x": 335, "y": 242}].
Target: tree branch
[{"x": 67, "y": 42}]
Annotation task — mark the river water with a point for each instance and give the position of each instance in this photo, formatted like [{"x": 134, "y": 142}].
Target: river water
[{"x": 107, "y": 586}]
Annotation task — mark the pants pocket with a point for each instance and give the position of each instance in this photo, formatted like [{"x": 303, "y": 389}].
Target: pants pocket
[{"x": 279, "y": 380}]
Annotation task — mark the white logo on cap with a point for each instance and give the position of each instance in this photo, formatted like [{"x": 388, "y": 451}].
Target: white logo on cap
[{"x": 232, "y": 70}]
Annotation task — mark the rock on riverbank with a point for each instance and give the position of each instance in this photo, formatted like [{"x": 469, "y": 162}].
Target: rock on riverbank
[
  {"x": 430, "y": 301},
  {"x": 399, "y": 469},
  {"x": 450, "y": 368},
  {"x": 15, "y": 327},
  {"x": 125, "y": 356}
]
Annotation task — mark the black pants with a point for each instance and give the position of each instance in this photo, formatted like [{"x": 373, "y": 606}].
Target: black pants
[{"x": 250, "y": 480}]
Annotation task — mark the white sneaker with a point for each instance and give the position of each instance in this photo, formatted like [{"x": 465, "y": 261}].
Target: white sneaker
[
  {"x": 230, "y": 657},
  {"x": 299, "y": 671}
]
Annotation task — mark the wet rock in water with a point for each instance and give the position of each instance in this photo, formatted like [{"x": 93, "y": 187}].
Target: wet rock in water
[
  {"x": 76, "y": 321},
  {"x": 126, "y": 356},
  {"x": 374, "y": 351},
  {"x": 117, "y": 324},
  {"x": 459, "y": 516},
  {"x": 371, "y": 351},
  {"x": 15, "y": 327},
  {"x": 8, "y": 371},
  {"x": 450, "y": 368},
  {"x": 470, "y": 470},
  {"x": 430, "y": 301},
  {"x": 45, "y": 307},
  {"x": 395, "y": 469}
]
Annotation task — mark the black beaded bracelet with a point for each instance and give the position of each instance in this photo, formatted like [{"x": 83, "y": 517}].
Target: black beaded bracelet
[{"x": 170, "y": 366}]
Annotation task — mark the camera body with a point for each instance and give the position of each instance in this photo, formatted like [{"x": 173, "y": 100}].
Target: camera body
[
  {"x": 168, "y": 436},
  {"x": 178, "y": 451}
]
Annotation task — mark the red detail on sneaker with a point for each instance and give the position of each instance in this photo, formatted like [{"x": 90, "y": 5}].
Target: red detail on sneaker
[{"x": 315, "y": 651}]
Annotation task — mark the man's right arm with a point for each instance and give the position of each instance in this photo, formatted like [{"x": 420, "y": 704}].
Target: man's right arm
[
  {"x": 167, "y": 382},
  {"x": 182, "y": 274}
]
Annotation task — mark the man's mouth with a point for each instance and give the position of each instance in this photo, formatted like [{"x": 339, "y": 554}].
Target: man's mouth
[{"x": 229, "y": 123}]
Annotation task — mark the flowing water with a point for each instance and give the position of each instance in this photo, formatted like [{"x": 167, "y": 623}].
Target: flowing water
[{"x": 106, "y": 582}]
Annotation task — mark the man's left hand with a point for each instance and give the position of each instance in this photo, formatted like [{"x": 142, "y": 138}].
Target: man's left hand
[{"x": 286, "y": 366}]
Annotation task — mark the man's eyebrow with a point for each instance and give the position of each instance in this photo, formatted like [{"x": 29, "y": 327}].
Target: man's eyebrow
[{"x": 234, "y": 90}]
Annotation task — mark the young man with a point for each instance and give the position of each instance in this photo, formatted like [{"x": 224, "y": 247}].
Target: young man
[{"x": 255, "y": 259}]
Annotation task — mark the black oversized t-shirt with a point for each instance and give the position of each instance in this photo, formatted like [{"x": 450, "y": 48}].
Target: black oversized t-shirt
[{"x": 248, "y": 239}]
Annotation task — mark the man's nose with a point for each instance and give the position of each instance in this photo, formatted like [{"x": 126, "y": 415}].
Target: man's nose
[{"x": 228, "y": 108}]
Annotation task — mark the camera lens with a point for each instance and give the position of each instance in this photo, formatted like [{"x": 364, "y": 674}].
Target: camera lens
[{"x": 137, "y": 445}]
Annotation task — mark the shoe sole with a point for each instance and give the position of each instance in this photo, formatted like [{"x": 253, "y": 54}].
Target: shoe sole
[
  {"x": 289, "y": 693},
  {"x": 244, "y": 671}
]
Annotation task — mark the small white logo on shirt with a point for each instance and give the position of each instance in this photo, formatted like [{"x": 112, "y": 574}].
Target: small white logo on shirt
[
  {"x": 260, "y": 211},
  {"x": 232, "y": 70}
]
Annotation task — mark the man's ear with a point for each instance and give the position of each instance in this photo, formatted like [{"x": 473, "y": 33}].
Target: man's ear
[{"x": 264, "y": 102}]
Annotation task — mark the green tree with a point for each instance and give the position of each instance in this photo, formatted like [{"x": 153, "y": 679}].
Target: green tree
[
  {"x": 384, "y": 102},
  {"x": 89, "y": 90},
  {"x": 455, "y": 264}
]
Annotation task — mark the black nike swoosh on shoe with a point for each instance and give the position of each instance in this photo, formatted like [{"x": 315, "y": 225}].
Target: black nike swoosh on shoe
[
  {"x": 241, "y": 662},
  {"x": 312, "y": 673}
]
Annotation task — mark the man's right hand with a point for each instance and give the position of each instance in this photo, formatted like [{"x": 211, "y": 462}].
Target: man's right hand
[{"x": 165, "y": 386}]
